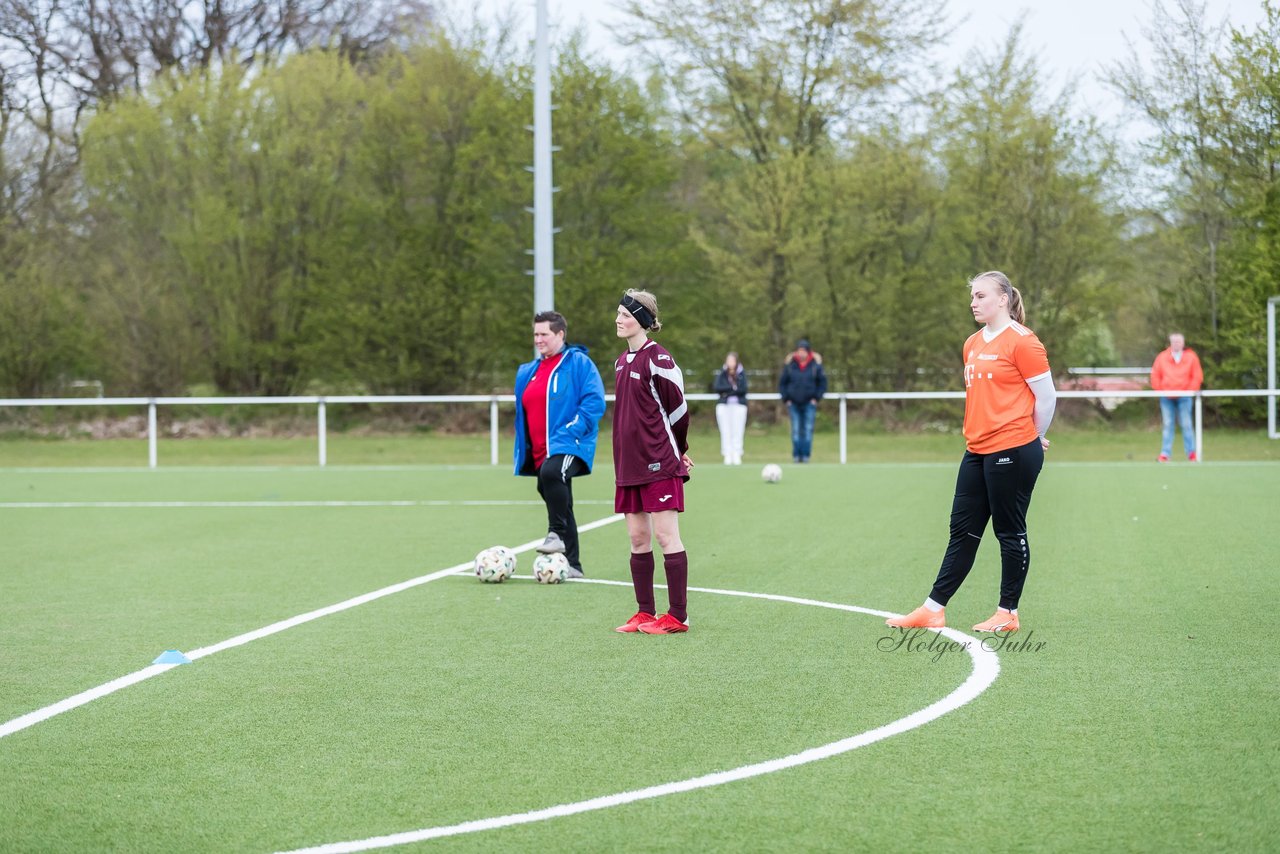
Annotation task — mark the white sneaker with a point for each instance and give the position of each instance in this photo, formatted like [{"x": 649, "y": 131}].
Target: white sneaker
[
  {"x": 574, "y": 572},
  {"x": 737, "y": 459},
  {"x": 551, "y": 545}
]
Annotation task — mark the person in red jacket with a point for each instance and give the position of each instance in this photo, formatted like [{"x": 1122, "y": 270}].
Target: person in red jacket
[{"x": 1177, "y": 369}]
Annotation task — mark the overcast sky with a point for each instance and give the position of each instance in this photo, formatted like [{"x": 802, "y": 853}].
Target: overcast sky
[{"x": 1071, "y": 37}]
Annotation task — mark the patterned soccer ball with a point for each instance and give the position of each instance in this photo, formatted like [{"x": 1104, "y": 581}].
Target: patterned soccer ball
[
  {"x": 772, "y": 473},
  {"x": 551, "y": 569},
  {"x": 495, "y": 564}
]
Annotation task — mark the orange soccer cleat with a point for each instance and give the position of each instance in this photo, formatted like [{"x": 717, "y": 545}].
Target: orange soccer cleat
[
  {"x": 1001, "y": 622},
  {"x": 920, "y": 618},
  {"x": 633, "y": 625},
  {"x": 664, "y": 625}
]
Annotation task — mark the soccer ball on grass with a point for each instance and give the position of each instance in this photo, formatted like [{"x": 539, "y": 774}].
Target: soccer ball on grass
[
  {"x": 495, "y": 564},
  {"x": 551, "y": 569},
  {"x": 772, "y": 473}
]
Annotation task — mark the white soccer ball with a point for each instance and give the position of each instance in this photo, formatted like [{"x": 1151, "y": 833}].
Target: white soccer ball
[
  {"x": 772, "y": 473},
  {"x": 495, "y": 564},
  {"x": 551, "y": 569}
]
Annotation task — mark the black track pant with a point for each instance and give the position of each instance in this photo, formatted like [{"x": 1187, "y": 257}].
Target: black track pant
[
  {"x": 555, "y": 485},
  {"x": 994, "y": 486}
]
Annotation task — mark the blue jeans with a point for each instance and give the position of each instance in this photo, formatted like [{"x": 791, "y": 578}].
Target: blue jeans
[
  {"x": 1180, "y": 408},
  {"x": 802, "y": 415}
]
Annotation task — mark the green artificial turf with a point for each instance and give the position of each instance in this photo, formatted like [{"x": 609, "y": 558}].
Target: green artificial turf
[{"x": 1141, "y": 716}]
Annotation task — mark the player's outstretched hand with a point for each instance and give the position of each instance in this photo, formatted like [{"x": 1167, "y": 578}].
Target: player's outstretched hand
[{"x": 687, "y": 462}]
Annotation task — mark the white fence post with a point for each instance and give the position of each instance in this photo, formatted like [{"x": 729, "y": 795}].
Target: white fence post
[
  {"x": 1199, "y": 428},
  {"x": 493, "y": 431},
  {"x": 151, "y": 433},
  {"x": 844, "y": 435},
  {"x": 321, "y": 432},
  {"x": 1272, "y": 433}
]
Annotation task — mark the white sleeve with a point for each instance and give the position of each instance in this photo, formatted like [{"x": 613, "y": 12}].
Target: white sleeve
[{"x": 1046, "y": 401}]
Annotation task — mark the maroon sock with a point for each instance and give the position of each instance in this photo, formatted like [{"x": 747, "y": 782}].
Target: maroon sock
[
  {"x": 677, "y": 567},
  {"x": 642, "y": 580}
]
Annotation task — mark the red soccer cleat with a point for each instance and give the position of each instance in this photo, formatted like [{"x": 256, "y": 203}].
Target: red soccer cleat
[
  {"x": 1191, "y": 456},
  {"x": 1163, "y": 458},
  {"x": 664, "y": 625},
  {"x": 633, "y": 625}
]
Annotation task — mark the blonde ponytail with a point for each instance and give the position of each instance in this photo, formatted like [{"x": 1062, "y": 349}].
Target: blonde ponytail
[{"x": 1016, "y": 311}]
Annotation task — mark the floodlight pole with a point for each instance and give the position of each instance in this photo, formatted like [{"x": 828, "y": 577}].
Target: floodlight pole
[
  {"x": 544, "y": 296},
  {"x": 1271, "y": 367}
]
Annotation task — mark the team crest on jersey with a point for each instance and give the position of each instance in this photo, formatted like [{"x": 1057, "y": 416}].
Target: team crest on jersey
[{"x": 655, "y": 466}]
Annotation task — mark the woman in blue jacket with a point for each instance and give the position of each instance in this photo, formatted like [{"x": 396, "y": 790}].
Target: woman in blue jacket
[{"x": 559, "y": 401}]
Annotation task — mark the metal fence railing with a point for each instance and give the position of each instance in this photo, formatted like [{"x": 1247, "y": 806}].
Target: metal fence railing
[{"x": 842, "y": 399}]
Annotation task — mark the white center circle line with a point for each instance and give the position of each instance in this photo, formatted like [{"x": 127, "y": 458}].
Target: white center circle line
[{"x": 986, "y": 667}]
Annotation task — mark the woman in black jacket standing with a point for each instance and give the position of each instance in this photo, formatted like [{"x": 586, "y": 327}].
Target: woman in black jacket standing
[{"x": 731, "y": 411}]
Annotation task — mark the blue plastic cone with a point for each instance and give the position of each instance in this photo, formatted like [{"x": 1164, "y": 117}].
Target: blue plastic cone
[{"x": 172, "y": 656}]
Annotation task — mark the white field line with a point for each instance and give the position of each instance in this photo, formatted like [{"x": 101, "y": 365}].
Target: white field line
[
  {"x": 31, "y": 718},
  {"x": 129, "y": 505},
  {"x": 986, "y": 667}
]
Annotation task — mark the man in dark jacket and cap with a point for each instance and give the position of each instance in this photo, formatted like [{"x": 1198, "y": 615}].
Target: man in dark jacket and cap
[{"x": 801, "y": 386}]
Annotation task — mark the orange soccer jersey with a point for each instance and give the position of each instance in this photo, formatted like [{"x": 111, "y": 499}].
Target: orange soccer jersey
[{"x": 998, "y": 404}]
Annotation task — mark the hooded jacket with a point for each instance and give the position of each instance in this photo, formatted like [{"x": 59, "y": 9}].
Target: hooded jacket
[
  {"x": 575, "y": 403},
  {"x": 802, "y": 384}
]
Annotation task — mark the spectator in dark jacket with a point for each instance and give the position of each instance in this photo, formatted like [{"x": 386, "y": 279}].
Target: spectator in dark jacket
[
  {"x": 801, "y": 386},
  {"x": 731, "y": 411}
]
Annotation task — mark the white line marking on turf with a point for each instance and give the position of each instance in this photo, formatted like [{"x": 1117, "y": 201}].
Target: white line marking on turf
[
  {"x": 80, "y": 505},
  {"x": 986, "y": 667},
  {"x": 32, "y": 718}
]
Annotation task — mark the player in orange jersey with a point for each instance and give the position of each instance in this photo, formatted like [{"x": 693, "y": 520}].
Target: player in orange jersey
[{"x": 1008, "y": 404}]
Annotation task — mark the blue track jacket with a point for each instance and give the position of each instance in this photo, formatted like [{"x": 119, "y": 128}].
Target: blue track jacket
[{"x": 575, "y": 403}]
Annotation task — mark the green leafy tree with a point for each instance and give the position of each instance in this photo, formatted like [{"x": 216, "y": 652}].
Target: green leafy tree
[
  {"x": 768, "y": 85},
  {"x": 232, "y": 184},
  {"x": 621, "y": 223},
  {"x": 1027, "y": 192},
  {"x": 42, "y": 341},
  {"x": 434, "y": 298},
  {"x": 1248, "y": 154},
  {"x": 1176, "y": 97}
]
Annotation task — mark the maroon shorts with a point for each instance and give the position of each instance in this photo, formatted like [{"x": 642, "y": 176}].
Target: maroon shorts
[{"x": 650, "y": 497}]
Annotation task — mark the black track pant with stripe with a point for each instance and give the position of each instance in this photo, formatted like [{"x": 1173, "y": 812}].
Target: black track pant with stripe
[
  {"x": 998, "y": 487},
  {"x": 555, "y": 485}
]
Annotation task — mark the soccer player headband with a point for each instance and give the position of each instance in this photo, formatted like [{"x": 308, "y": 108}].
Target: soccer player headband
[{"x": 642, "y": 315}]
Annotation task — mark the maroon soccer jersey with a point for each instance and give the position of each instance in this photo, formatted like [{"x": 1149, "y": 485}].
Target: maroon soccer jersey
[{"x": 650, "y": 417}]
